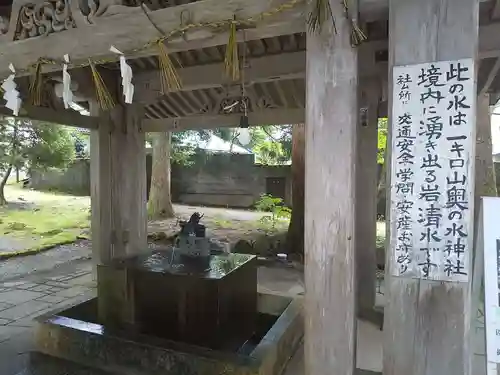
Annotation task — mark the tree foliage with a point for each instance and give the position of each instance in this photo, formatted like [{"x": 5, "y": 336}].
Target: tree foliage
[
  {"x": 182, "y": 153},
  {"x": 271, "y": 144},
  {"x": 275, "y": 206},
  {"x": 34, "y": 145},
  {"x": 382, "y": 140}
]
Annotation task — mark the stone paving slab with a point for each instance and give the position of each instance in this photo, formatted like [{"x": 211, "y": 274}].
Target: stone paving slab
[
  {"x": 5, "y": 305},
  {"x": 52, "y": 299},
  {"x": 14, "y": 353},
  {"x": 42, "y": 288},
  {"x": 7, "y": 332},
  {"x": 56, "y": 284},
  {"x": 16, "y": 296},
  {"x": 4, "y": 322},
  {"x": 24, "y": 309},
  {"x": 71, "y": 292},
  {"x": 81, "y": 280}
]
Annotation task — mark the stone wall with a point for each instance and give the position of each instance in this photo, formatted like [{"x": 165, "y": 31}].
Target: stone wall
[
  {"x": 75, "y": 179},
  {"x": 229, "y": 180}
]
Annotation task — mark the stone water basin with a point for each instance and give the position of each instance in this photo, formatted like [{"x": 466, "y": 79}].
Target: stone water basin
[{"x": 75, "y": 336}]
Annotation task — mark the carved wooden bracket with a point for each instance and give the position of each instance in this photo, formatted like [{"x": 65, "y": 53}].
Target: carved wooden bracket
[
  {"x": 41, "y": 18},
  {"x": 4, "y": 25},
  {"x": 231, "y": 101}
]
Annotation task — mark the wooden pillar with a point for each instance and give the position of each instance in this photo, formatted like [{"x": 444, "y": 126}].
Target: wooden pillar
[
  {"x": 118, "y": 184},
  {"x": 427, "y": 318},
  {"x": 331, "y": 118},
  {"x": 366, "y": 197},
  {"x": 485, "y": 168},
  {"x": 119, "y": 216},
  {"x": 485, "y": 186}
]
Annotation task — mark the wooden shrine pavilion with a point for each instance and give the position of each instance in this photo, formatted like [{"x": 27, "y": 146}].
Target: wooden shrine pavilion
[{"x": 333, "y": 64}]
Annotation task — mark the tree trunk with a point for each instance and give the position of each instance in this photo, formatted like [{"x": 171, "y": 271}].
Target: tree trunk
[
  {"x": 3, "y": 182},
  {"x": 295, "y": 236},
  {"x": 381, "y": 187},
  {"x": 160, "y": 201}
]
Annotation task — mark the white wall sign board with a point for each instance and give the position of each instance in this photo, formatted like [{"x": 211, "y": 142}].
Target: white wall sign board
[
  {"x": 491, "y": 246},
  {"x": 432, "y": 182}
]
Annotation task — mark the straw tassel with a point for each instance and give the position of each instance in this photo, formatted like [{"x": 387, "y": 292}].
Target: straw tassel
[
  {"x": 321, "y": 12},
  {"x": 36, "y": 84},
  {"x": 169, "y": 78},
  {"x": 357, "y": 35},
  {"x": 231, "y": 62},
  {"x": 103, "y": 95}
]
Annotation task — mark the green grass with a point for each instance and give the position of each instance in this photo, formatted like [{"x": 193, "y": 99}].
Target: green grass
[
  {"x": 47, "y": 220},
  {"x": 380, "y": 234}
]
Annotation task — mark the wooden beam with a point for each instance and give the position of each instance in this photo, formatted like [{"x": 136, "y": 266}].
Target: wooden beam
[
  {"x": 63, "y": 117},
  {"x": 489, "y": 43},
  {"x": 331, "y": 117},
  {"x": 378, "y": 9},
  {"x": 491, "y": 76},
  {"x": 284, "y": 66},
  {"x": 262, "y": 69},
  {"x": 426, "y": 320},
  {"x": 495, "y": 12},
  {"x": 489, "y": 40},
  {"x": 133, "y": 30},
  {"x": 270, "y": 116}
]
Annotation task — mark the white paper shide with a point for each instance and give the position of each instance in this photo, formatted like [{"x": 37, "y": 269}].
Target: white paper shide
[
  {"x": 11, "y": 95},
  {"x": 126, "y": 73},
  {"x": 67, "y": 94},
  {"x": 431, "y": 185}
]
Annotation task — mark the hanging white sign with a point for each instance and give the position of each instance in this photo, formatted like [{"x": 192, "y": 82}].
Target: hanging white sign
[{"x": 432, "y": 155}]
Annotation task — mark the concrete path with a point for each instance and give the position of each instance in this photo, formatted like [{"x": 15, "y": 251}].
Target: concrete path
[
  {"x": 24, "y": 299},
  {"x": 11, "y": 245},
  {"x": 14, "y": 268}
]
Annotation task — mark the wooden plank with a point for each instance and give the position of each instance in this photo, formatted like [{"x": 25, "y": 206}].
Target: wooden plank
[
  {"x": 270, "y": 116},
  {"x": 427, "y": 322},
  {"x": 132, "y": 30},
  {"x": 331, "y": 117},
  {"x": 62, "y": 117},
  {"x": 366, "y": 197},
  {"x": 262, "y": 69}
]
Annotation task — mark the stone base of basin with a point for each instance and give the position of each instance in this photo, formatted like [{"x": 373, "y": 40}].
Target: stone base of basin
[{"x": 74, "y": 335}]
